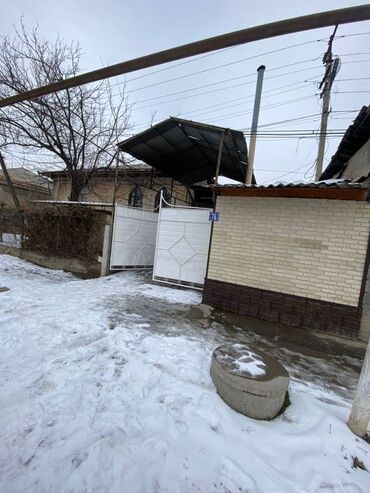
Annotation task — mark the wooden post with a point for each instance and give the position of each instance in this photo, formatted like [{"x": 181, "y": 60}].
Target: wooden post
[{"x": 10, "y": 185}]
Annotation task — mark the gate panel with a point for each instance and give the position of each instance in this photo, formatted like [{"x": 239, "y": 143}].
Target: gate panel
[
  {"x": 182, "y": 245},
  {"x": 134, "y": 236}
]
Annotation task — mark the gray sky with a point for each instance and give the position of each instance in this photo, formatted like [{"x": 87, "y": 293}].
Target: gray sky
[{"x": 113, "y": 31}]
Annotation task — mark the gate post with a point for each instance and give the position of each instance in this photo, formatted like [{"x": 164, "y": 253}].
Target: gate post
[{"x": 105, "y": 263}]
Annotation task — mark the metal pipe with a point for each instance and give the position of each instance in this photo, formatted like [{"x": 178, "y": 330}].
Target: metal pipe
[
  {"x": 256, "y": 112},
  {"x": 219, "y": 156},
  {"x": 265, "y": 31}
]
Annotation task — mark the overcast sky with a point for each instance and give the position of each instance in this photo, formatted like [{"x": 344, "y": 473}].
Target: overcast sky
[{"x": 111, "y": 31}]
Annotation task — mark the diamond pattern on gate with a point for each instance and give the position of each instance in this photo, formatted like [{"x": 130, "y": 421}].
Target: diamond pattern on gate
[
  {"x": 141, "y": 234},
  {"x": 182, "y": 245}
]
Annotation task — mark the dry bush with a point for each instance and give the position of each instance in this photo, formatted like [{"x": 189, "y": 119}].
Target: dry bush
[{"x": 72, "y": 231}]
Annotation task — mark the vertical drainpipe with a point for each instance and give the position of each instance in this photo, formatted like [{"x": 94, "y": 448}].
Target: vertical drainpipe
[
  {"x": 256, "y": 111},
  {"x": 217, "y": 174}
]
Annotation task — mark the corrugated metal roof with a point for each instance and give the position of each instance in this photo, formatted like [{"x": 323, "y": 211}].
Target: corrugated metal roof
[
  {"x": 340, "y": 184},
  {"x": 187, "y": 151}
]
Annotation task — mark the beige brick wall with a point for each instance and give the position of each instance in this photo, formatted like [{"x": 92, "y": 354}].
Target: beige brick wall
[
  {"x": 313, "y": 248},
  {"x": 101, "y": 190}
]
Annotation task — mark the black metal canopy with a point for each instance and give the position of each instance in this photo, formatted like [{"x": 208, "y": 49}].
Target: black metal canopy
[{"x": 187, "y": 151}]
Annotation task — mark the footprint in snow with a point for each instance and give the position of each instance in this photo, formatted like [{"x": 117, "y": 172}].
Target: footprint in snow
[
  {"x": 79, "y": 459},
  {"x": 242, "y": 481},
  {"x": 181, "y": 426}
]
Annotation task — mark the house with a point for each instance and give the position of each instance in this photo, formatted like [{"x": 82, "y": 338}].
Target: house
[
  {"x": 137, "y": 186},
  {"x": 352, "y": 158},
  {"x": 28, "y": 186},
  {"x": 176, "y": 157},
  {"x": 293, "y": 254}
]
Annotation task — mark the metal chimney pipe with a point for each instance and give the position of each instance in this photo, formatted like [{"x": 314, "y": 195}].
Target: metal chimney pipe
[{"x": 256, "y": 112}]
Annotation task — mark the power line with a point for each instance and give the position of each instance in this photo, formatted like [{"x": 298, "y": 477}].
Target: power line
[
  {"x": 221, "y": 66},
  {"x": 225, "y": 80},
  {"x": 222, "y": 82},
  {"x": 288, "y": 173},
  {"x": 352, "y": 79},
  {"x": 275, "y": 105},
  {"x": 355, "y": 54},
  {"x": 240, "y": 60},
  {"x": 212, "y": 91},
  {"x": 174, "y": 65},
  {"x": 247, "y": 98},
  {"x": 232, "y": 86},
  {"x": 351, "y": 92},
  {"x": 299, "y": 118},
  {"x": 197, "y": 110},
  {"x": 217, "y": 90}
]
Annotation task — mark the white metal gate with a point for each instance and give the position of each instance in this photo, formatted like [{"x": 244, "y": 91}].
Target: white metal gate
[
  {"x": 181, "y": 252},
  {"x": 134, "y": 236}
]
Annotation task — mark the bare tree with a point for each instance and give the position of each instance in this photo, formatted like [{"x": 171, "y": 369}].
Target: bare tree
[{"x": 80, "y": 126}]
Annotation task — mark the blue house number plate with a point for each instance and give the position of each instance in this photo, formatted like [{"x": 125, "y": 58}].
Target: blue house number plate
[{"x": 214, "y": 216}]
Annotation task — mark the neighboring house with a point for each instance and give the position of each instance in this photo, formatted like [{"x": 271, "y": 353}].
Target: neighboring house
[
  {"x": 27, "y": 185},
  {"x": 352, "y": 158},
  {"x": 137, "y": 186}
]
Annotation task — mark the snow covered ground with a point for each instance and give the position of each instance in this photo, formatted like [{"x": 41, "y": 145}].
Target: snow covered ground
[{"x": 105, "y": 387}]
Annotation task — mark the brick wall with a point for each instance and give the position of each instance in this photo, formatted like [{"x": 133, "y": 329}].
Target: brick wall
[
  {"x": 306, "y": 247},
  {"x": 296, "y": 261},
  {"x": 284, "y": 308}
]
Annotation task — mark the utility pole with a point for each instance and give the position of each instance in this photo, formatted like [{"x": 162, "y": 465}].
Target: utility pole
[
  {"x": 256, "y": 111},
  {"x": 360, "y": 412},
  {"x": 326, "y": 84}
]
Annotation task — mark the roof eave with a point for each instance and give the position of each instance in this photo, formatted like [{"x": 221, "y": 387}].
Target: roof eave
[{"x": 358, "y": 194}]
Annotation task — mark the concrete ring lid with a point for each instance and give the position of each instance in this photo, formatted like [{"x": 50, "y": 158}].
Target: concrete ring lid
[{"x": 249, "y": 380}]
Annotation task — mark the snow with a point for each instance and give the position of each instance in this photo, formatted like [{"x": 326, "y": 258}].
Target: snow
[
  {"x": 105, "y": 387},
  {"x": 240, "y": 360}
]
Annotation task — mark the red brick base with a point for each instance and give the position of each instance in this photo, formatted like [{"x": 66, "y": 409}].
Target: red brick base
[{"x": 287, "y": 309}]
